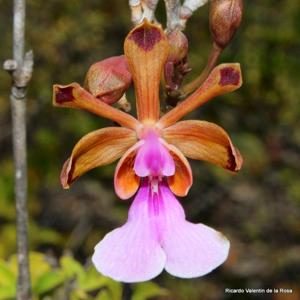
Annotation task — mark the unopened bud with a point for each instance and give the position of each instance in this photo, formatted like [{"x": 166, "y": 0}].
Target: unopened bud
[
  {"x": 108, "y": 79},
  {"x": 176, "y": 66},
  {"x": 225, "y": 18},
  {"x": 178, "y": 46}
]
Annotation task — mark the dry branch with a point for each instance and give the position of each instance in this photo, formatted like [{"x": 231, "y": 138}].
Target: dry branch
[{"x": 20, "y": 68}]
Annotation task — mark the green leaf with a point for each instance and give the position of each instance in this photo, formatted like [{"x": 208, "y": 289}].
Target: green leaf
[
  {"x": 104, "y": 295},
  {"x": 115, "y": 289},
  {"x": 92, "y": 280},
  {"x": 7, "y": 293},
  {"x": 71, "y": 267},
  {"x": 7, "y": 276},
  {"x": 79, "y": 294},
  {"x": 144, "y": 291},
  {"x": 38, "y": 265},
  {"x": 48, "y": 282}
]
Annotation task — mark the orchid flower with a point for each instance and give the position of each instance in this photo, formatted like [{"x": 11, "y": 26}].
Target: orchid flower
[{"x": 153, "y": 164}]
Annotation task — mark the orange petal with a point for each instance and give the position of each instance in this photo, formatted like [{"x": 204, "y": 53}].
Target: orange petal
[
  {"x": 98, "y": 148},
  {"x": 204, "y": 141},
  {"x": 126, "y": 181},
  {"x": 182, "y": 180},
  {"x": 74, "y": 96},
  {"x": 146, "y": 49},
  {"x": 223, "y": 79}
]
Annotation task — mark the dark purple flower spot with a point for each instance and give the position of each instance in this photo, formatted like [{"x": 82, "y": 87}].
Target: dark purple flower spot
[
  {"x": 146, "y": 37},
  {"x": 229, "y": 76},
  {"x": 64, "y": 95}
]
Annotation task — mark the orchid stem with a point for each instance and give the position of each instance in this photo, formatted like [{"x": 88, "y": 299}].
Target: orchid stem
[
  {"x": 20, "y": 69},
  {"x": 211, "y": 63}
]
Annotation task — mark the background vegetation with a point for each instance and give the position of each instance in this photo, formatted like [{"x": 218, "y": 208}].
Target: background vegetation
[{"x": 258, "y": 209}]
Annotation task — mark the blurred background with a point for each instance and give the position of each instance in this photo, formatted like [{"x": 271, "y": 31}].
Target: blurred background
[{"x": 257, "y": 209}]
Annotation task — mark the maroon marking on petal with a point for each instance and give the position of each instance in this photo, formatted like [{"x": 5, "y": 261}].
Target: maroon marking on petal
[
  {"x": 229, "y": 76},
  {"x": 146, "y": 37},
  {"x": 231, "y": 162},
  {"x": 64, "y": 95}
]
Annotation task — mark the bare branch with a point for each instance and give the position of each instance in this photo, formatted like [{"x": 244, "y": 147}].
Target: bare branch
[
  {"x": 10, "y": 65},
  {"x": 19, "y": 144},
  {"x": 20, "y": 68}
]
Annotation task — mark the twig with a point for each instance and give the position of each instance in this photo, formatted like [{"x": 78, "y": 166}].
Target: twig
[{"x": 20, "y": 69}]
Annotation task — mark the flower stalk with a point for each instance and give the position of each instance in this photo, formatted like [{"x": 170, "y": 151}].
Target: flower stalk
[{"x": 211, "y": 63}]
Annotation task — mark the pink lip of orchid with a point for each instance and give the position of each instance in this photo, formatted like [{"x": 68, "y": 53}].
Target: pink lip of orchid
[{"x": 156, "y": 235}]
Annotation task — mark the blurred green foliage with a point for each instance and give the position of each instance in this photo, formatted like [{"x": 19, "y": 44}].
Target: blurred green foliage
[
  {"x": 258, "y": 208},
  {"x": 67, "y": 279}
]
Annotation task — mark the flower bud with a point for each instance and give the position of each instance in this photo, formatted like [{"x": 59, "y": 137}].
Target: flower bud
[
  {"x": 108, "y": 79},
  {"x": 178, "y": 46},
  {"x": 176, "y": 66},
  {"x": 225, "y": 17}
]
